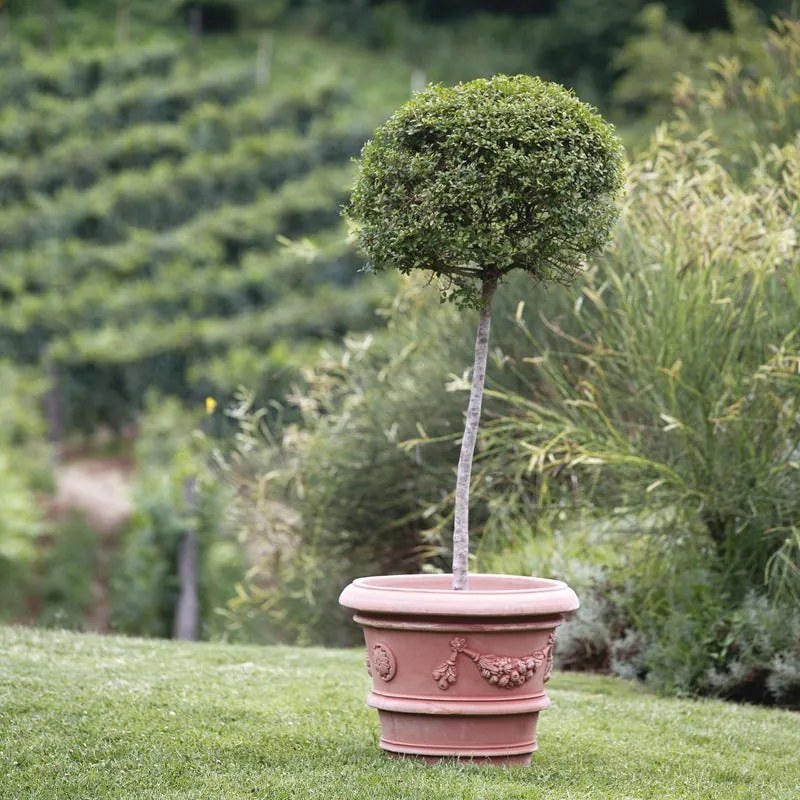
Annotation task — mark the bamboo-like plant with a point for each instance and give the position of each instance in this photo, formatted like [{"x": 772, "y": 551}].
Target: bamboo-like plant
[{"x": 471, "y": 182}]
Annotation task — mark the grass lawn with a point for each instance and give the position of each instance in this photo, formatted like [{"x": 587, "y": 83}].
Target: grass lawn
[{"x": 91, "y": 717}]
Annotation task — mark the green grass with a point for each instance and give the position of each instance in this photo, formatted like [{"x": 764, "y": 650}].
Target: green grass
[{"x": 89, "y": 717}]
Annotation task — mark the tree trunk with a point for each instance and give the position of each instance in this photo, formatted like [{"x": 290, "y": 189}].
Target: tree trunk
[
  {"x": 264, "y": 56},
  {"x": 195, "y": 21},
  {"x": 50, "y": 12},
  {"x": 123, "y": 20},
  {"x": 461, "y": 522},
  {"x": 53, "y": 406},
  {"x": 186, "y": 623},
  {"x": 5, "y": 24}
]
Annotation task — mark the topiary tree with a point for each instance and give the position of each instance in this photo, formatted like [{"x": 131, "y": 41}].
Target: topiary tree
[{"x": 471, "y": 182}]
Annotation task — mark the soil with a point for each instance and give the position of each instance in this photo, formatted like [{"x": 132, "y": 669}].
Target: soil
[{"x": 99, "y": 489}]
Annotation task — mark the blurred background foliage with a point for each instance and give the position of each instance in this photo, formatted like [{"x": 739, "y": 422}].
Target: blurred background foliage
[
  {"x": 170, "y": 181},
  {"x": 175, "y": 490}
]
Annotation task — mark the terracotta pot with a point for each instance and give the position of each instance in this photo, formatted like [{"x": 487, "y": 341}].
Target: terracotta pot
[{"x": 459, "y": 674}]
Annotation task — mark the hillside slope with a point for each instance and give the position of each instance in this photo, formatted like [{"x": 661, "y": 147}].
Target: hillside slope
[
  {"x": 150, "y": 190},
  {"x": 89, "y": 717}
]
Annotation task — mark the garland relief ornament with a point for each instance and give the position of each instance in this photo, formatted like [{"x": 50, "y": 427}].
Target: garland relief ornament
[{"x": 506, "y": 672}]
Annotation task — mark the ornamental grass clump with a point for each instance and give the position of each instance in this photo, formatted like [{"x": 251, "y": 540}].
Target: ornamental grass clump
[{"x": 471, "y": 182}]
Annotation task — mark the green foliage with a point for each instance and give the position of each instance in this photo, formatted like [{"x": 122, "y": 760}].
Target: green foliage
[
  {"x": 21, "y": 423},
  {"x": 164, "y": 330},
  {"x": 474, "y": 181},
  {"x": 738, "y": 85},
  {"x": 83, "y": 73},
  {"x": 21, "y": 522},
  {"x": 656, "y": 612},
  {"x": 144, "y": 191},
  {"x": 568, "y": 41},
  {"x": 648, "y": 60},
  {"x": 75, "y": 162},
  {"x": 476, "y": 45},
  {"x": 22, "y": 473},
  {"x": 673, "y": 388},
  {"x": 577, "y": 44},
  {"x": 763, "y": 646},
  {"x": 29, "y": 130},
  {"x": 164, "y": 196},
  {"x": 215, "y": 240},
  {"x": 144, "y": 580},
  {"x": 66, "y": 569},
  {"x": 357, "y": 502},
  {"x": 748, "y": 100}
]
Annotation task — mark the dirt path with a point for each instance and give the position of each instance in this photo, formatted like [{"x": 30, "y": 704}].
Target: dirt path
[{"x": 100, "y": 490}]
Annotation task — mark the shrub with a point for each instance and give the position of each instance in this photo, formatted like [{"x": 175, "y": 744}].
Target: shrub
[
  {"x": 493, "y": 175},
  {"x": 67, "y": 567},
  {"x": 144, "y": 580},
  {"x": 654, "y": 613},
  {"x": 670, "y": 388},
  {"x": 21, "y": 522},
  {"x": 360, "y": 504},
  {"x": 30, "y": 131},
  {"x": 77, "y": 76},
  {"x": 669, "y": 392},
  {"x": 23, "y": 472},
  {"x": 762, "y": 661}
]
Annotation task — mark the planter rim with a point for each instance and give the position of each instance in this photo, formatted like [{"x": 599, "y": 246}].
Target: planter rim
[{"x": 487, "y": 595}]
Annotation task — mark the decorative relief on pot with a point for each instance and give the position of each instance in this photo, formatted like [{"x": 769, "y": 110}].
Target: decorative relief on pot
[
  {"x": 549, "y": 650},
  {"x": 381, "y": 661},
  {"x": 445, "y": 673},
  {"x": 506, "y": 672}
]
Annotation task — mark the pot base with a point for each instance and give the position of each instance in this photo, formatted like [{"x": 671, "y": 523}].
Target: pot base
[
  {"x": 491, "y": 739},
  {"x": 522, "y": 760}
]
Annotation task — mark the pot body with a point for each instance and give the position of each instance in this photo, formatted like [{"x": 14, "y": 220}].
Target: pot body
[{"x": 459, "y": 674}]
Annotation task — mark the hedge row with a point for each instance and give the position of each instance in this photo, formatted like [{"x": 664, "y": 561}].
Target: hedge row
[
  {"x": 169, "y": 195},
  {"x": 181, "y": 286},
  {"x": 219, "y": 236},
  {"x": 165, "y": 274},
  {"x": 328, "y": 313},
  {"x": 104, "y": 374},
  {"x": 140, "y": 208},
  {"x": 30, "y": 131},
  {"x": 79, "y": 75},
  {"x": 78, "y": 162}
]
